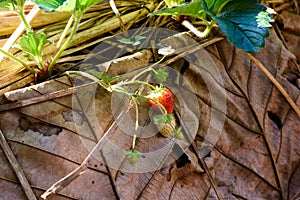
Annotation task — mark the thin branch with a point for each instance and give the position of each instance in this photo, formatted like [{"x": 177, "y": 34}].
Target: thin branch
[
  {"x": 276, "y": 83},
  {"x": 211, "y": 179},
  {"x": 200, "y": 158},
  {"x": 45, "y": 97},
  {"x": 191, "y": 49},
  {"x": 116, "y": 11},
  {"x": 59, "y": 185},
  {"x": 16, "y": 167}
]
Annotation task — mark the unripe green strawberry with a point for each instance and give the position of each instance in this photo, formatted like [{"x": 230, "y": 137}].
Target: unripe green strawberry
[
  {"x": 164, "y": 96},
  {"x": 165, "y": 127}
]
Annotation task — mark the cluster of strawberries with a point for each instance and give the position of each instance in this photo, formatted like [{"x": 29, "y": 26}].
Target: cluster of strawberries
[{"x": 164, "y": 97}]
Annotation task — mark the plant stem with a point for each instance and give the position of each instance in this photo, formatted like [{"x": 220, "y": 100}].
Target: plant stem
[
  {"x": 275, "y": 82},
  {"x": 89, "y": 76},
  {"x": 21, "y": 14},
  {"x": 198, "y": 33},
  {"x": 131, "y": 82},
  {"x": 39, "y": 61},
  {"x": 77, "y": 17},
  {"x": 118, "y": 87},
  {"x": 147, "y": 69},
  {"x": 64, "y": 33},
  {"x": 136, "y": 122},
  {"x": 17, "y": 60}
]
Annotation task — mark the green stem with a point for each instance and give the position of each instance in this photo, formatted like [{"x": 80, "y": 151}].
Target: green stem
[
  {"x": 21, "y": 14},
  {"x": 118, "y": 87},
  {"x": 133, "y": 142},
  {"x": 198, "y": 33},
  {"x": 89, "y": 76},
  {"x": 17, "y": 60},
  {"x": 64, "y": 33},
  {"x": 148, "y": 69},
  {"x": 77, "y": 17},
  {"x": 135, "y": 82},
  {"x": 136, "y": 122},
  {"x": 163, "y": 109},
  {"x": 39, "y": 60}
]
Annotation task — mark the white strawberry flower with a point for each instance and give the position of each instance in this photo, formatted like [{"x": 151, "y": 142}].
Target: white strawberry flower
[{"x": 166, "y": 51}]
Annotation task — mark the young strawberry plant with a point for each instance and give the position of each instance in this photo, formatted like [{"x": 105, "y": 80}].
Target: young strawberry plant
[{"x": 33, "y": 43}]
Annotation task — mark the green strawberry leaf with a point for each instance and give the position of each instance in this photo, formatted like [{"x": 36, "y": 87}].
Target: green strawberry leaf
[
  {"x": 133, "y": 156},
  {"x": 178, "y": 134},
  {"x": 11, "y": 4},
  {"x": 65, "y": 5},
  {"x": 52, "y": 5},
  {"x": 84, "y": 4},
  {"x": 139, "y": 38},
  {"x": 33, "y": 43},
  {"x": 171, "y": 3},
  {"x": 216, "y": 6},
  {"x": 136, "y": 43},
  {"x": 109, "y": 79},
  {"x": 102, "y": 76},
  {"x": 163, "y": 119},
  {"x": 238, "y": 20},
  {"x": 125, "y": 41},
  {"x": 160, "y": 75},
  {"x": 96, "y": 73},
  {"x": 193, "y": 8}
]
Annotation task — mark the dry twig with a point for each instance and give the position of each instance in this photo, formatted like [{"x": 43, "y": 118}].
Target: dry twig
[
  {"x": 276, "y": 83},
  {"x": 45, "y": 97},
  {"x": 59, "y": 185},
  {"x": 16, "y": 167}
]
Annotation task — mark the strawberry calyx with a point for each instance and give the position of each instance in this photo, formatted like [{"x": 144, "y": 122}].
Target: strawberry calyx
[
  {"x": 133, "y": 156},
  {"x": 163, "y": 118}
]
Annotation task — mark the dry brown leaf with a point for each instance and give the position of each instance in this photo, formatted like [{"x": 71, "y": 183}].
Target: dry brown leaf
[
  {"x": 291, "y": 31},
  {"x": 256, "y": 155}
]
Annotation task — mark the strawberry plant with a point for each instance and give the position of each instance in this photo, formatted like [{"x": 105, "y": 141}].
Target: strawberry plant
[
  {"x": 238, "y": 19},
  {"x": 159, "y": 97},
  {"x": 32, "y": 43},
  {"x": 16, "y": 6},
  {"x": 245, "y": 23}
]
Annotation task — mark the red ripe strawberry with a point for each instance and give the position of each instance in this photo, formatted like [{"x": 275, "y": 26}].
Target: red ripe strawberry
[{"x": 164, "y": 96}]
